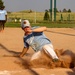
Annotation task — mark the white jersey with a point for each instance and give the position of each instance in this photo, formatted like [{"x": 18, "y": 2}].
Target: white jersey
[{"x": 2, "y": 14}]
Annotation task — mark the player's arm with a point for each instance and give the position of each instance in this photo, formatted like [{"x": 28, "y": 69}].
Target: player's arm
[
  {"x": 39, "y": 29},
  {"x": 24, "y": 52}
]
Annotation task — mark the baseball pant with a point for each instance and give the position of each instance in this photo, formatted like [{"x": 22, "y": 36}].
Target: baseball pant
[{"x": 48, "y": 49}]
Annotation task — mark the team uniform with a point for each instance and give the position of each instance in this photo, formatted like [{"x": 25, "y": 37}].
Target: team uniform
[
  {"x": 38, "y": 41},
  {"x": 2, "y": 17}
]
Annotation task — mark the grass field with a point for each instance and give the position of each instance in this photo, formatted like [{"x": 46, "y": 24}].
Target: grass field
[
  {"x": 39, "y": 16},
  {"x": 49, "y": 25}
]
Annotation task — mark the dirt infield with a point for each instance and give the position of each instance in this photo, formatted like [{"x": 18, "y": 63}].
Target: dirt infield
[{"x": 11, "y": 43}]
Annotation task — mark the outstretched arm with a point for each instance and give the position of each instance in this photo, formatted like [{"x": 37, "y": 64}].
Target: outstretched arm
[
  {"x": 40, "y": 29},
  {"x": 24, "y": 51}
]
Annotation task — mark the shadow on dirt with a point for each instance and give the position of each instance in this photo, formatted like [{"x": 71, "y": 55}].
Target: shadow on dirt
[
  {"x": 12, "y": 53},
  {"x": 25, "y": 64},
  {"x": 9, "y": 51},
  {"x": 22, "y": 62},
  {"x": 61, "y": 33},
  {"x": 71, "y": 73}
]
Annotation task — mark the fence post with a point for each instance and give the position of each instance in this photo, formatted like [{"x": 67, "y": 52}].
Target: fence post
[
  {"x": 61, "y": 17},
  {"x": 68, "y": 17}
]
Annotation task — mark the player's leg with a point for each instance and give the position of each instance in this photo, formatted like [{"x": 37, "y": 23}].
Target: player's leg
[
  {"x": 36, "y": 55},
  {"x": 50, "y": 51},
  {"x": 3, "y": 24},
  {"x": 1, "y": 27}
]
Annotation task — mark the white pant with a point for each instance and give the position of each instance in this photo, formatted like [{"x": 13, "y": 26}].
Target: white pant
[{"x": 48, "y": 50}]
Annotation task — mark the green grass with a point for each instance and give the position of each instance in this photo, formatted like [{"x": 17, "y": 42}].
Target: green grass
[
  {"x": 57, "y": 25},
  {"x": 49, "y": 25},
  {"x": 39, "y": 16},
  {"x": 10, "y": 24}
]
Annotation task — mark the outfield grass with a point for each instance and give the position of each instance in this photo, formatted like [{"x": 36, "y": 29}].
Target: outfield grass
[{"x": 49, "y": 25}]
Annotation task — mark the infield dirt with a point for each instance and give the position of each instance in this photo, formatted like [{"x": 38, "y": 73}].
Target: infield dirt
[{"x": 11, "y": 42}]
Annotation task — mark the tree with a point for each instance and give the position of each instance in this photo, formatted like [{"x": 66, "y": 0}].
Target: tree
[
  {"x": 1, "y": 3},
  {"x": 64, "y": 10},
  {"x": 69, "y": 10},
  {"x": 56, "y": 10},
  {"x": 46, "y": 16}
]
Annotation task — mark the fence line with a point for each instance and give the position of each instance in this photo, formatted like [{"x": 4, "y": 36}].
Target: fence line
[{"x": 39, "y": 16}]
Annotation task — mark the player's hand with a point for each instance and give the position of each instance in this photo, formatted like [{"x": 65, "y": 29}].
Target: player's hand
[{"x": 29, "y": 31}]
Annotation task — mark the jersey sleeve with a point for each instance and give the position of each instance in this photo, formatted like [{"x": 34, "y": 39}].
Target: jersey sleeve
[
  {"x": 25, "y": 43},
  {"x": 36, "y": 33}
]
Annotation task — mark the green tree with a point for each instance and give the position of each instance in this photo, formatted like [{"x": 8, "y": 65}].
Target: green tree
[
  {"x": 69, "y": 10},
  {"x": 1, "y": 3},
  {"x": 57, "y": 10},
  {"x": 64, "y": 10},
  {"x": 46, "y": 16}
]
